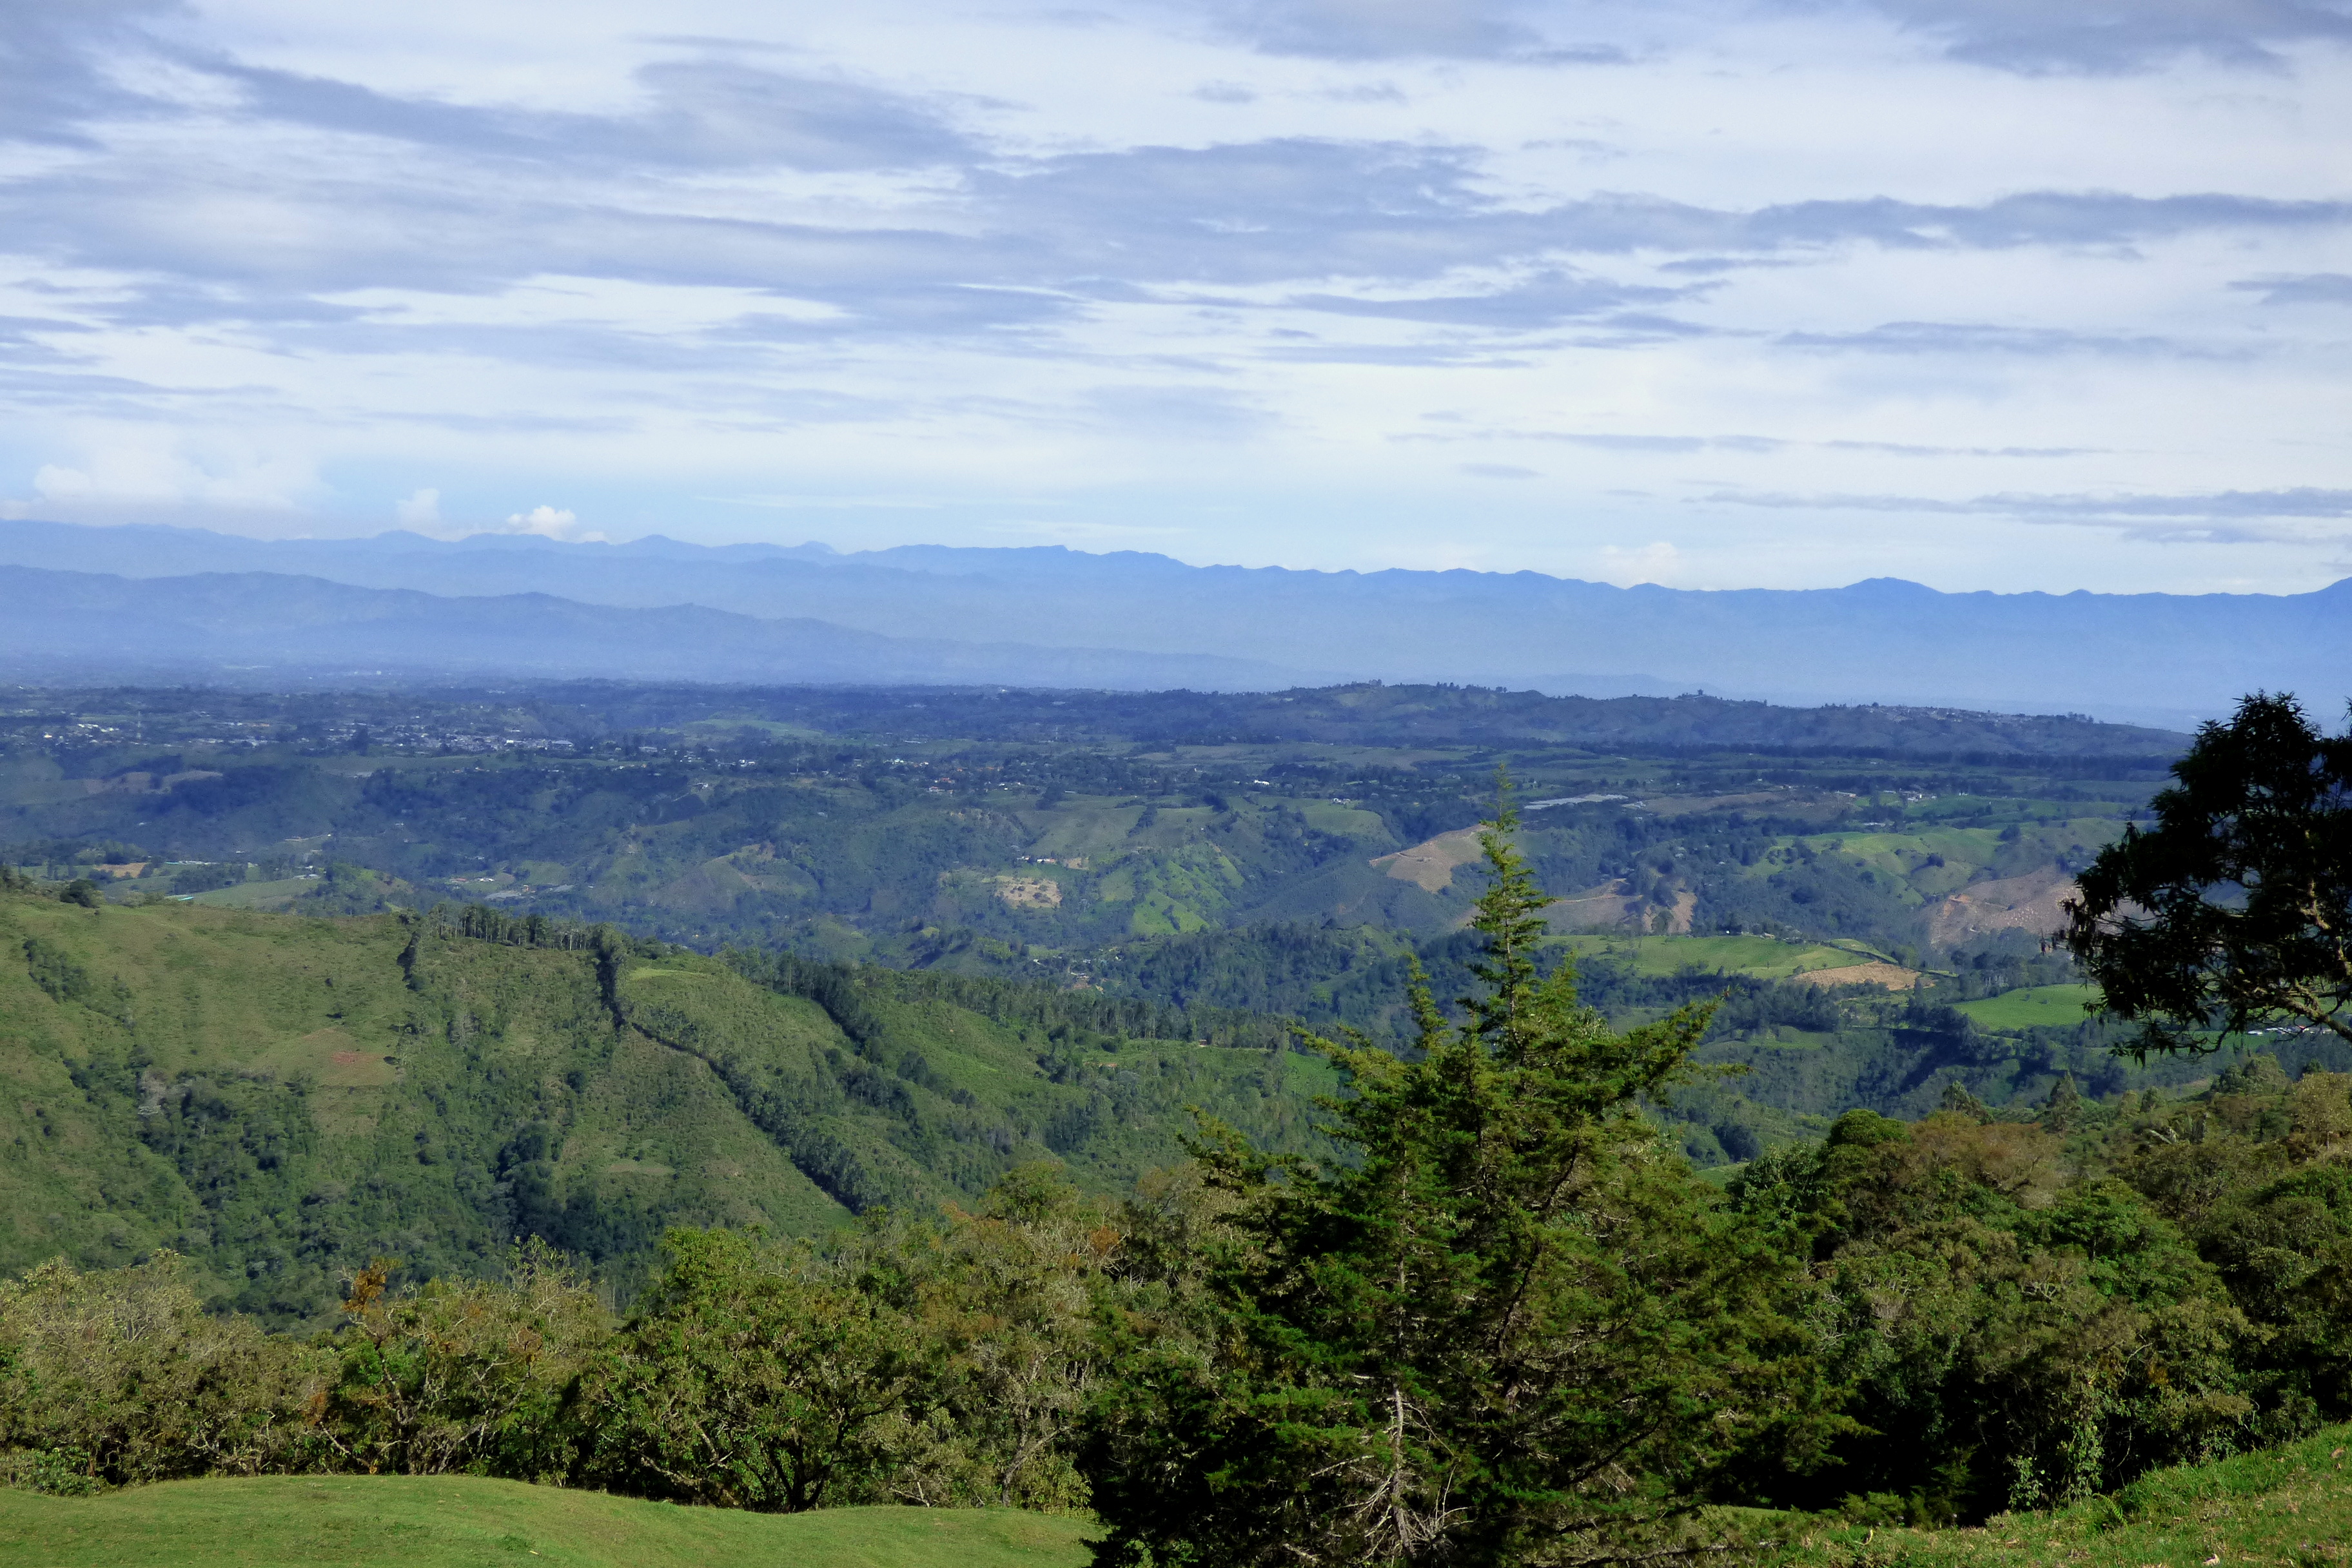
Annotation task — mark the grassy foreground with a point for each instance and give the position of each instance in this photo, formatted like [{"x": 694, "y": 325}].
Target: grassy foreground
[
  {"x": 462, "y": 1521},
  {"x": 2290, "y": 1505}
]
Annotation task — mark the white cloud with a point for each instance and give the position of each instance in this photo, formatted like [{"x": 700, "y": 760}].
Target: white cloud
[
  {"x": 52, "y": 482},
  {"x": 551, "y": 523},
  {"x": 422, "y": 509},
  {"x": 1189, "y": 267},
  {"x": 1657, "y": 562}
]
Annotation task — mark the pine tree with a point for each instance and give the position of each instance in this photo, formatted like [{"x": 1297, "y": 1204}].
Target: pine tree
[{"x": 1514, "y": 1328}]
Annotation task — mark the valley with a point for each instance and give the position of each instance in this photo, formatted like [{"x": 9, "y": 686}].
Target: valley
[{"x": 426, "y": 975}]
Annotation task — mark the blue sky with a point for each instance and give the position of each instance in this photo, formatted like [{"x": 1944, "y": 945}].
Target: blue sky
[{"x": 1987, "y": 293}]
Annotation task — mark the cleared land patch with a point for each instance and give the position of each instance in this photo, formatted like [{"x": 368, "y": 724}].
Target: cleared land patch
[
  {"x": 275, "y": 895},
  {"x": 1431, "y": 866},
  {"x": 1759, "y": 957},
  {"x": 2033, "y": 902},
  {"x": 1893, "y": 977},
  {"x": 2032, "y": 1007},
  {"x": 1029, "y": 892}
]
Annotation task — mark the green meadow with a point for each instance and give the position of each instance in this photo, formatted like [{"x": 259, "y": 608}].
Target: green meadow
[
  {"x": 1759, "y": 957},
  {"x": 2035, "y": 1006},
  {"x": 464, "y": 1521},
  {"x": 2291, "y": 1505}
]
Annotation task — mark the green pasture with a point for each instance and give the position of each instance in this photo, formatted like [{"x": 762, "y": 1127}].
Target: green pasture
[
  {"x": 1762, "y": 957},
  {"x": 2290, "y": 1505},
  {"x": 273, "y": 895},
  {"x": 2035, "y": 1006},
  {"x": 1345, "y": 821},
  {"x": 463, "y": 1521}
]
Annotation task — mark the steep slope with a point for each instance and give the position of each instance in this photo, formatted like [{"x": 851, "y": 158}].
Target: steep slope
[{"x": 281, "y": 1098}]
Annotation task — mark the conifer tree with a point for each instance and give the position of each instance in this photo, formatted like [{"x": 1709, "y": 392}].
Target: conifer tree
[{"x": 1513, "y": 1329}]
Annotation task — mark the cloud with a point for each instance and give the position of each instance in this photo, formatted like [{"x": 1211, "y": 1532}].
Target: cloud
[
  {"x": 2028, "y": 218},
  {"x": 1658, "y": 562},
  {"x": 1425, "y": 356},
  {"x": 1609, "y": 441},
  {"x": 2112, "y": 37},
  {"x": 1378, "y": 29},
  {"x": 1497, "y": 471},
  {"x": 1543, "y": 301},
  {"x": 883, "y": 249},
  {"x": 2234, "y": 517},
  {"x": 2311, "y": 288},
  {"x": 422, "y": 509},
  {"x": 52, "y": 483},
  {"x": 1980, "y": 338},
  {"x": 52, "y": 83},
  {"x": 551, "y": 523},
  {"x": 1012, "y": 245},
  {"x": 1177, "y": 412},
  {"x": 1914, "y": 449},
  {"x": 1677, "y": 445},
  {"x": 1672, "y": 443},
  {"x": 703, "y": 113}
]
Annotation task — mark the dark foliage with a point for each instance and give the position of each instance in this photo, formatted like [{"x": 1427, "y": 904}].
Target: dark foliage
[{"x": 2236, "y": 907}]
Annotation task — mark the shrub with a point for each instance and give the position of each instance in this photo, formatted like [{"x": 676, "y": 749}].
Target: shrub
[
  {"x": 124, "y": 1373},
  {"x": 464, "y": 1375},
  {"x": 749, "y": 1380}
]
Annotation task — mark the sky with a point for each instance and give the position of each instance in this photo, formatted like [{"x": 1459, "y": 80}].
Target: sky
[{"x": 2000, "y": 294}]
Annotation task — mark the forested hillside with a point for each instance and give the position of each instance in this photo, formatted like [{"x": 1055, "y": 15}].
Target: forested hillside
[
  {"x": 280, "y": 1099},
  {"x": 2046, "y": 1303},
  {"x": 1867, "y": 890},
  {"x": 968, "y": 829}
]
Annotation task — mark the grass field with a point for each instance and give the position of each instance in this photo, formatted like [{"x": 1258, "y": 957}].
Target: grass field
[
  {"x": 2291, "y": 1506},
  {"x": 273, "y": 895},
  {"x": 2033, "y": 1006},
  {"x": 458, "y": 1522},
  {"x": 1763, "y": 957}
]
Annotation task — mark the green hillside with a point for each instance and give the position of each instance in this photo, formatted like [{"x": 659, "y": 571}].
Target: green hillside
[
  {"x": 463, "y": 1521},
  {"x": 281, "y": 1097},
  {"x": 2030, "y": 1008},
  {"x": 2288, "y": 1505}
]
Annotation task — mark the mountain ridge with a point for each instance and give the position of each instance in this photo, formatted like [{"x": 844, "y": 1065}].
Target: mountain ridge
[
  {"x": 2165, "y": 660},
  {"x": 317, "y": 628}
]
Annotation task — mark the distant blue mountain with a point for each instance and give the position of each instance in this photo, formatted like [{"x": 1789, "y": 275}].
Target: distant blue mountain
[
  {"x": 273, "y": 629},
  {"x": 2147, "y": 657}
]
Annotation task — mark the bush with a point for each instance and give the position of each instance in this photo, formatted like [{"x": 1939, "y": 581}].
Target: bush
[
  {"x": 464, "y": 1375},
  {"x": 749, "y": 1380},
  {"x": 124, "y": 1377}
]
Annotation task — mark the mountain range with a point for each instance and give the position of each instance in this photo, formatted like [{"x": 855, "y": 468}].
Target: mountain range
[{"x": 143, "y": 601}]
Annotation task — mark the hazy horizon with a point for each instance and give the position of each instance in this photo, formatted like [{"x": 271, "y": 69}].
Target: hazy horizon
[{"x": 528, "y": 539}]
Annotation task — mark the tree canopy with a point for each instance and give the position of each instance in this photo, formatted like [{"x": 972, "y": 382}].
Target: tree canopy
[
  {"x": 1513, "y": 1328},
  {"x": 2236, "y": 907}
]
